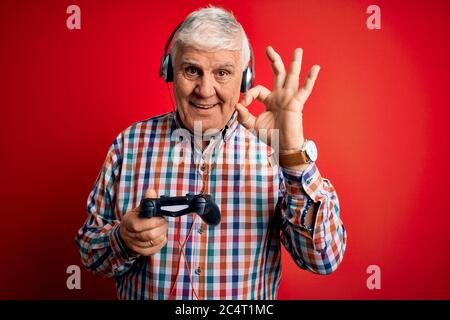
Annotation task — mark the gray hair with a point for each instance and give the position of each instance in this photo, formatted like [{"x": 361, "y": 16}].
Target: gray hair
[{"x": 212, "y": 28}]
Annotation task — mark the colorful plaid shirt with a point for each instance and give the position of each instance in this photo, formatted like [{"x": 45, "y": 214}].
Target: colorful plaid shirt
[{"x": 261, "y": 206}]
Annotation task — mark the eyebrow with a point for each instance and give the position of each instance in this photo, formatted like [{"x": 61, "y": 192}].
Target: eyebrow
[
  {"x": 193, "y": 63},
  {"x": 227, "y": 65}
]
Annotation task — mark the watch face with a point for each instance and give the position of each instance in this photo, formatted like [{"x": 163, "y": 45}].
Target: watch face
[{"x": 311, "y": 150}]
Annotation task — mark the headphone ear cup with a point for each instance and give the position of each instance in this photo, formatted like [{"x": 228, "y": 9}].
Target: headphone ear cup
[
  {"x": 167, "y": 69},
  {"x": 247, "y": 80}
]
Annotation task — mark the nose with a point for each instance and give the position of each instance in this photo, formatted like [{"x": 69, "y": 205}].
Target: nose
[{"x": 205, "y": 86}]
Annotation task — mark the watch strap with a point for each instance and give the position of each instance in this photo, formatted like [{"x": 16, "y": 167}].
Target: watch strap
[{"x": 293, "y": 159}]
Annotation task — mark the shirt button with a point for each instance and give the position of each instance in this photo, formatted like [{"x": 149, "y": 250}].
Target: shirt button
[
  {"x": 198, "y": 271},
  {"x": 200, "y": 230},
  {"x": 202, "y": 167}
]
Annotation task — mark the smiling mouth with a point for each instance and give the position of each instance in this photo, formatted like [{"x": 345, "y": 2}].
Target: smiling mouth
[{"x": 203, "y": 106}]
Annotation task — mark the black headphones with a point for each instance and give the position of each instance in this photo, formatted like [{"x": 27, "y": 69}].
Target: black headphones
[{"x": 166, "y": 68}]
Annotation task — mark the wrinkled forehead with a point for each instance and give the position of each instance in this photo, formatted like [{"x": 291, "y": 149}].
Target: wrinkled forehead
[{"x": 207, "y": 57}]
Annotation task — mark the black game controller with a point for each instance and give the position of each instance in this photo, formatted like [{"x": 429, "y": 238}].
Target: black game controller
[{"x": 202, "y": 204}]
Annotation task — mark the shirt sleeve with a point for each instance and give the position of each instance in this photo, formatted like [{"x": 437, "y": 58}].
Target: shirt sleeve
[
  {"x": 321, "y": 249},
  {"x": 101, "y": 248}
]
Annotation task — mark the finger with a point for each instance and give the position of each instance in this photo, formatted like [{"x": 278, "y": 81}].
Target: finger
[
  {"x": 143, "y": 245},
  {"x": 258, "y": 92},
  {"x": 160, "y": 243},
  {"x": 160, "y": 240},
  {"x": 152, "y": 243},
  {"x": 152, "y": 250},
  {"x": 306, "y": 89},
  {"x": 292, "y": 78},
  {"x": 143, "y": 224},
  {"x": 152, "y": 234},
  {"x": 277, "y": 67},
  {"x": 245, "y": 117}
]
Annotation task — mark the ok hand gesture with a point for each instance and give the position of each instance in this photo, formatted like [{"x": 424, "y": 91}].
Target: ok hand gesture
[{"x": 284, "y": 105}]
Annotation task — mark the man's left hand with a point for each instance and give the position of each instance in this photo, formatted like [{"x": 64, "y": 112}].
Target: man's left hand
[{"x": 284, "y": 105}]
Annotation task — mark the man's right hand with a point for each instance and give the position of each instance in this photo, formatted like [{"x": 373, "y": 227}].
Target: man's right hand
[{"x": 144, "y": 236}]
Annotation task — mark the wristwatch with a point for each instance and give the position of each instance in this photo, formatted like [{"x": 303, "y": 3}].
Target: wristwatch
[{"x": 307, "y": 154}]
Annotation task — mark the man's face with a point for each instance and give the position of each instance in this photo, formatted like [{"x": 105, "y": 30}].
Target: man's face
[{"x": 206, "y": 86}]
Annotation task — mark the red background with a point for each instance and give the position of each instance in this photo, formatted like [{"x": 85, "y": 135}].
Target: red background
[{"x": 379, "y": 114}]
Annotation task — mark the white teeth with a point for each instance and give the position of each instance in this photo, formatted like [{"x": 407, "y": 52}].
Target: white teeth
[{"x": 201, "y": 106}]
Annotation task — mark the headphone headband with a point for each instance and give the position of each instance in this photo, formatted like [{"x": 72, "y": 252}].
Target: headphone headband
[{"x": 166, "y": 52}]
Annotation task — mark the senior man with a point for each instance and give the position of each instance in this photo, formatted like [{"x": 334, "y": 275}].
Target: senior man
[{"x": 267, "y": 195}]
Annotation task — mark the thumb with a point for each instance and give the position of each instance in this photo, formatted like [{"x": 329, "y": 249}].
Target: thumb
[{"x": 150, "y": 193}]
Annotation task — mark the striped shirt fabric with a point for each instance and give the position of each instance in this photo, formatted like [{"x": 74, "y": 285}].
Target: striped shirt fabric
[{"x": 261, "y": 206}]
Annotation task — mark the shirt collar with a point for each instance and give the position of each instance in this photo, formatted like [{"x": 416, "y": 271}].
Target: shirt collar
[{"x": 227, "y": 131}]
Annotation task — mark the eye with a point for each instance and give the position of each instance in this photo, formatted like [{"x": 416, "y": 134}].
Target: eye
[
  {"x": 192, "y": 71},
  {"x": 222, "y": 74}
]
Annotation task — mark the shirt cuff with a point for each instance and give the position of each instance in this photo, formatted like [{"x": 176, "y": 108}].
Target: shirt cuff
[
  {"x": 302, "y": 188},
  {"x": 120, "y": 250},
  {"x": 299, "y": 183}
]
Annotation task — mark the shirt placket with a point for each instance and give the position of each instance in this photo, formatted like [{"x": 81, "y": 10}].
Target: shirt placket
[{"x": 202, "y": 165}]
